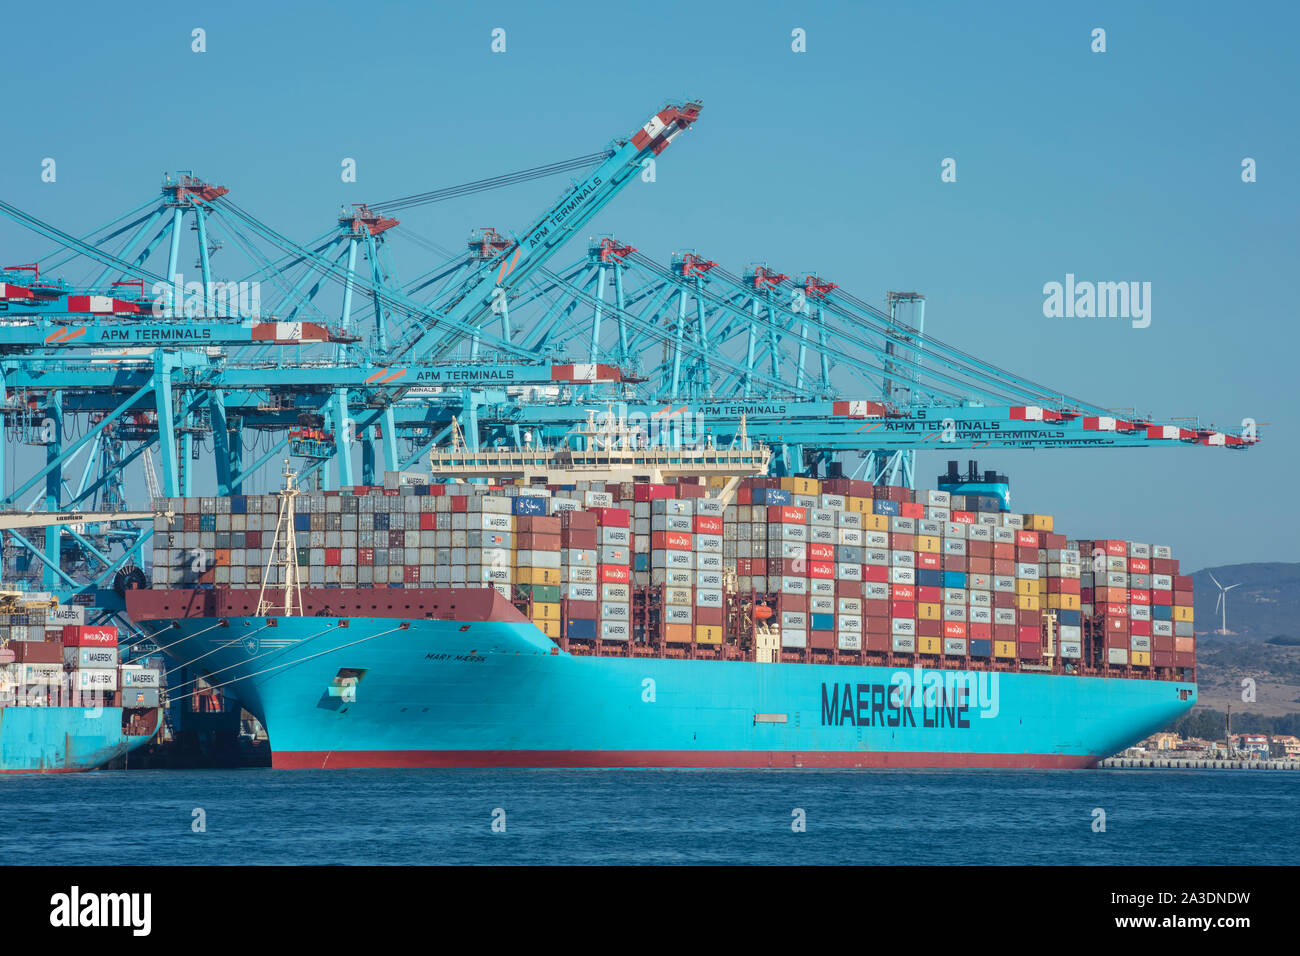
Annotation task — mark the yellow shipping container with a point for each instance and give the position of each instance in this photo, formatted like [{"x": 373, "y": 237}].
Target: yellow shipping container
[
  {"x": 1182, "y": 613},
  {"x": 1029, "y": 602},
  {"x": 928, "y": 544},
  {"x": 708, "y": 634},
  {"x": 538, "y": 575},
  {"x": 860, "y": 505},
  {"x": 718, "y": 481},
  {"x": 1026, "y": 586},
  {"x": 926, "y": 611},
  {"x": 802, "y": 486},
  {"x": 1063, "y": 602},
  {"x": 546, "y": 611},
  {"x": 872, "y": 522},
  {"x": 1038, "y": 522},
  {"x": 1141, "y": 658},
  {"x": 1004, "y": 648},
  {"x": 549, "y": 628},
  {"x": 929, "y": 645}
]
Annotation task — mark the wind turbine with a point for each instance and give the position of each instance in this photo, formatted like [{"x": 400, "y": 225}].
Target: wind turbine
[{"x": 1223, "y": 600}]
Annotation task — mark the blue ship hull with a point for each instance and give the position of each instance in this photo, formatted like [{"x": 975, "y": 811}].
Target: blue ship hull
[
  {"x": 500, "y": 693},
  {"x": 62, "y": 739}
]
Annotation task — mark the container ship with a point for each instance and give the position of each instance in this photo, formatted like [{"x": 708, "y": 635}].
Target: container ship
[
  {"x": 66, "y": 703},
  {"x": 644, "y": 607}
]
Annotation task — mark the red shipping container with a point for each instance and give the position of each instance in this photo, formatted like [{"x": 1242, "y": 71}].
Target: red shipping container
[
  {"x": 613, "y": 573},
  {"x": 575, "y": 538},
  {"x": 1139, "y": 628},
  {"x": 929, "y": 562},
  {"x": 1162, "y": 642},
  {"x": 902, "y": 542},
  {"x": 459, "y": 504},
  {"x": 411, "y": 574},
  {"x": 1139, "y": 566},
  {"x": 792, "y": 602},
  {"x": 711, "y": 616},
  {"x": 848, "y": 589},
  {"x": 588, "y": 610},
  {"x": 648, "y": 492},
  {"x": 875, "y": 641},
  {"x": 979, "y": 565},
  {"x": 37, "y": 652},
  {"x": 926, "y": 595},
  {"x": 1026, "y": 539},
  {"x": 1139, "y": 597},
  {"x": 878, "y": 609},
  {"x": 821, "y": 552},
  {"x": 821, "y": 640},
  {"x": 587, "y": 520},
  {"x": 612, "y": 517},
  {"x": 903, "y": 592},
  {"x": 427, "y": 521},
  {"x": 962, "y": 517},
  {"x": 1001, "y": 632},
  {"x": 1182, "y": 583},
  {"x": 929, "y": 628},
  {"x": 1183, "y": 598},
  {"x": 1004, "y": 551},
  {"x": 954, "y": 562},
  {"x": 1165, "y": 598},
  {"x": 1029, "y": 618},
  {"x": 1184, "y": 660},
  {"x": 984, "y": 632},
  {"x": 908, "y": 509},
  {"x": 333, "y": 556},
  {"x": 688, "y": 490},
  {"x": 875, "y": 573},
  {"x": 1027, "y": 634},
  {"x": 252, "y": 539},
  {"x": 786, "y": 514},
  {"x": 1162, "y": 658},
  {"x": 979, "y": 549},
  {"x": 1034, "y": 650},
  {"x": 745, "y": 567},
  {"x": 1004, "y": 599},
  {"x": 954, "y": 629},
  {"x": 1005, "y": 568},
  {"x": 902, "y": 609},
  {"x": 365, "y": 555},
  {"x": 1115, "y": 549},
  {"x": 1117, "y": 625},
  {"x": 91, "y": 635},
  {"x": 672, "y": 541},
  {"x": 705, "y": 524},
  {"x": 823, "y": 570}
]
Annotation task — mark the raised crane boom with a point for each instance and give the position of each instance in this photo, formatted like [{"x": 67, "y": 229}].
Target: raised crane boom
[{"x": 517, "y": 261}]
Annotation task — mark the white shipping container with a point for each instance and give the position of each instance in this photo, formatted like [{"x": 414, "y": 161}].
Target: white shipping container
[
  {"x": 97, "y": 679},
  {"x": 849, "y": 640}
]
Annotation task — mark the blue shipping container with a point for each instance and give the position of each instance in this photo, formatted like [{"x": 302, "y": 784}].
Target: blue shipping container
[
  {"x": 929, "y": 578},
  {"x": 1160, "y": 612},
  {"x": 954, "y": 579},
  {"x": 1072, "y": 618},
  {"x": 529, "y": 505},
  {"x": 883, "y": 507},
  {"x": 771, "y": 496},
  {"x": 823, "y": 622},
  {"x": 581, "y": 627},
  {"x": 981, "y": 648}
]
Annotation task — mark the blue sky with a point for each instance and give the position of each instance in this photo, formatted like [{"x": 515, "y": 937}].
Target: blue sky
[{"x": 1116, "y": 166}]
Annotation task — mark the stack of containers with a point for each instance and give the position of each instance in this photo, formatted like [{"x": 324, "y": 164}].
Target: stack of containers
[
  {"x": 90, "y": 655},
  {"x": 847, "y": 566},
  {"x": 670, "y": 524},
  {"x": 536, "y": 552},
  {"x": 1139, "y": 606},
  {"x": 787, "y": 567},
  {"x": 707, "y": 529},
  {"x": 580, "y": 587},
  {"x": 613, "y": 547}
]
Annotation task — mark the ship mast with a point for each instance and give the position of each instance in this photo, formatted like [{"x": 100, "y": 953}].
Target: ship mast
[{"x": 286, "y": 554}]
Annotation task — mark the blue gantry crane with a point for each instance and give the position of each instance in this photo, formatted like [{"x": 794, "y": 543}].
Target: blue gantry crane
[{"x": 320, "y": 351}]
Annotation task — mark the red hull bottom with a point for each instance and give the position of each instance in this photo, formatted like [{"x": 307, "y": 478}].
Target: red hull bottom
[{"x": 774, "y": 759}]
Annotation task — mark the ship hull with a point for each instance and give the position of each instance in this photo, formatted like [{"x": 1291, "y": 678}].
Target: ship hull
[
  {"x": 498, "y": 693},
  {"x": 63, "y": 739}
]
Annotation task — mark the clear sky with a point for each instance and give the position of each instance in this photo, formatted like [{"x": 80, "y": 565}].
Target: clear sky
[{"x": 1123, "y": 165}]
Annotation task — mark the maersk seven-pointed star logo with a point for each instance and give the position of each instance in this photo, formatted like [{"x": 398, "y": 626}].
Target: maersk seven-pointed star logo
[{"x": 252, "y": 644}]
